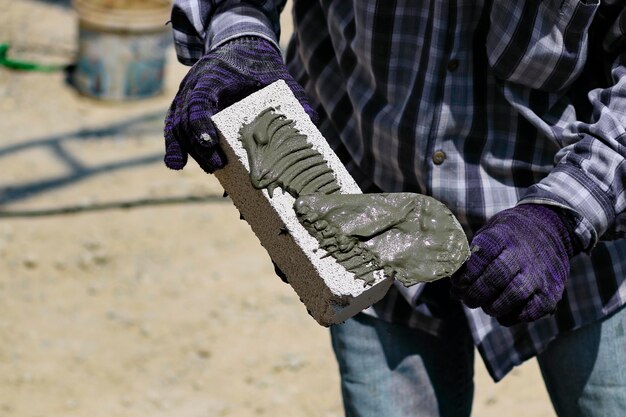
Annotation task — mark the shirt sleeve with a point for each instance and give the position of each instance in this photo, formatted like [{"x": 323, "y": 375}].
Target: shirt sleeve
[
  {"x": 590, "y": 176},
  {"x": 202, "y": 25}
]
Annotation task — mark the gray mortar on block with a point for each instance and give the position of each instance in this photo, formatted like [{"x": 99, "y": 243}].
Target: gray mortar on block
[
  {"x": 330, "y": 293},
  {"x": 411, "y": 237}
]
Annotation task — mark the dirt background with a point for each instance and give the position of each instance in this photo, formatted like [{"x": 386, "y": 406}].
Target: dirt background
[{"x": 159, "y": 310}]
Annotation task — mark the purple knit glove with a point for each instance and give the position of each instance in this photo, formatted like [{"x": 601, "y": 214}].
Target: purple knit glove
[
  {"x": 520, "y": 262},
  {"x": 221, "y": 78}
]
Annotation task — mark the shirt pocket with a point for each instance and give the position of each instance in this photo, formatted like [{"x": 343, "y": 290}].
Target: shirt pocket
[{"x": 539, "y": 44}]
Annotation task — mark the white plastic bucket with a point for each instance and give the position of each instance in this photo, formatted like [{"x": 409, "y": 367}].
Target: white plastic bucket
[{"x": 121, "y": 48}]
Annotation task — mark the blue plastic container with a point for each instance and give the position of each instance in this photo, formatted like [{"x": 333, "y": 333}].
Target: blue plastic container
[{"x": 121, "y": 48}]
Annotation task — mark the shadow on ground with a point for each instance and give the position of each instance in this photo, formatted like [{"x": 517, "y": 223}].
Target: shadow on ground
[
  {"x": 62, "y": 3},
  {"x": 76, "y": 171}
]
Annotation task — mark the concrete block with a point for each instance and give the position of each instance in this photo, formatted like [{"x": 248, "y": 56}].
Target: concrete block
[{"x": 330, "y": 293}]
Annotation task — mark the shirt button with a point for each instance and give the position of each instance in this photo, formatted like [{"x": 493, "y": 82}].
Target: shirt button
[
  {"x": 453, "y": 64},
  {"x": 439, "y": 157}
]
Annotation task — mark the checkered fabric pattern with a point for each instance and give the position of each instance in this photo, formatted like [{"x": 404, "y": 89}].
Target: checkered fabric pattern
[{"x": 481, "y": 104}]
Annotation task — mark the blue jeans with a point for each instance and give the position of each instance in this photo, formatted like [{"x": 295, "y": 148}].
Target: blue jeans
[{"x": 390, "y": 370}]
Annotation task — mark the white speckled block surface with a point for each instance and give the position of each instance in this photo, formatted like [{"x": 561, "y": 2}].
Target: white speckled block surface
[{"x": 330, "y": 293}]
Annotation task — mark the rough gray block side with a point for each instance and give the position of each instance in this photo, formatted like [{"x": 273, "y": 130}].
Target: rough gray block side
[{"x": 330, "y": 293}]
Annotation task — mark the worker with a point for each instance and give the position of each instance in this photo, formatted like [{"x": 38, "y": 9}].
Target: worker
[{"x": 513, "y": 114}]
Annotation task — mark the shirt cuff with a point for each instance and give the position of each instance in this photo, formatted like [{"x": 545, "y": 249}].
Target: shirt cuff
[
  {"x": 570, "y": 189},
  {"x": 238, "y": 21}
]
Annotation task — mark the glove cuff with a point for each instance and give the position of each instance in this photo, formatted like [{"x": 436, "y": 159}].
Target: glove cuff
[
  {"x": 253, "y": 42},
  {"x": 564, "y": 223}
]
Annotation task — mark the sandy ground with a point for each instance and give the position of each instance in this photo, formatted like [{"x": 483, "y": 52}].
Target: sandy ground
[{"x": 155, "y": 310}]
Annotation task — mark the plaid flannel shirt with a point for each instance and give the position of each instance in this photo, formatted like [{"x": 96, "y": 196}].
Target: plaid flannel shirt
[{"x": 481, "y": 104}]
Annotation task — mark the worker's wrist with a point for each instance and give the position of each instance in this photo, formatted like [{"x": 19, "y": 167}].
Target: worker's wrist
[{"x": 238, "y": 22}]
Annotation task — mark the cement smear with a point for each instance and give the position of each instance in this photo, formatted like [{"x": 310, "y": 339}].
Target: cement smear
[
  {"x": 412, "y": 237},
  {"x": 280, "y": 156}
]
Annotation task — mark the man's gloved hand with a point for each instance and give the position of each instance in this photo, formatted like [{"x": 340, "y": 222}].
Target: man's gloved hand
[
  {"x": 519, "y": 264},
  {"x": 221, "y": 78}
]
